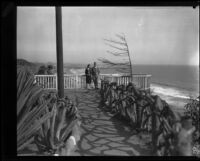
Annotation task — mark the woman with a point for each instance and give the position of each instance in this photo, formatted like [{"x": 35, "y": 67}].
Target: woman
[{"x": 88, "y": 75}]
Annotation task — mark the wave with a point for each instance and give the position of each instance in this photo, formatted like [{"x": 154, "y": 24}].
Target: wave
[
  {"x": 77, "y": 71},
  {"x": 173, "y": 92},
  {"x": 82, "y": 71},
  {"x": 175, "y": 85}
]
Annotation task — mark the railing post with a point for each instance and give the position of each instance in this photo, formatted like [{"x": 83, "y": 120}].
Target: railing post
[
  {"x": 56, "y": 82},
  {"x": 143, "y": 82},
  {"x": 48, "y": 82},
  {"x": 64, "y": 82},
  {"x": 146, "y": 82},
  {"x": 35, "y": 79}
]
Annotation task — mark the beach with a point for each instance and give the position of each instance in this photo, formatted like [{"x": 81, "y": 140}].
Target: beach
[{"x": 177, "y": 99}]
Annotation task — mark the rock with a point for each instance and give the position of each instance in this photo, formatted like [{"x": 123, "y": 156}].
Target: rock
[
  {"x": 115, "y": 152},
  {"x": 130, "y": 150},
  {"x": 95, "y": 150},
  {"x": 85, "y": 145},
  {"x": 112, "y": 144},
  {"x": 102, "y": 141},
  {"x": 158, "y": 104},
  {"x": 116, "y": 138},
  {"x": 91, "y": 137},
  {"x": 69, "y": 147}
]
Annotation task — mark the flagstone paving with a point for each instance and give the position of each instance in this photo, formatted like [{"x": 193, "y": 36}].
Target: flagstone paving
[{"x": 102, "y": 133}]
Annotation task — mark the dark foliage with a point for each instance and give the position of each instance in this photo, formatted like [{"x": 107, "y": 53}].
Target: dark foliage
[
  {"x": 192, "y": 111},
  {"x": 42, "y": 70},
  {"x": 147, "y": 112}
]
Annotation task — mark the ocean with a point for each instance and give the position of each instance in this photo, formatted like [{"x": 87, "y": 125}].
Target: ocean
[
  {"x": 182, "y": 81},
  {"x": 175, "y": 84},
  {"x": 171, "y": 82}
]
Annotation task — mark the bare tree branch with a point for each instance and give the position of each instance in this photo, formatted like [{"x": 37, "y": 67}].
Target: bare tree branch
[
  {"x": 121, "y": 64},
  {"x": 117, "y": 54},
  {"x": 124, "y": 68},
  {"x": 121, "y": 37},
  {"x": 117, "y": 42},
  {"x": 124, "y": 49},
  {"x": 106, "y": 61}
]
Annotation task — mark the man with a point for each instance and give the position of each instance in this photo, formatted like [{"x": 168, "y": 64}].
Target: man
[{"x": 95, "y": 75}]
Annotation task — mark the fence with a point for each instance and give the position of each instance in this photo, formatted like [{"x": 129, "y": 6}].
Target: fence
[{"x": 79, "y": 81}]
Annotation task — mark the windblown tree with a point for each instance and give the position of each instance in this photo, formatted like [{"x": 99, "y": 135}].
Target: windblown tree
[{"x": 121, "y": 51}]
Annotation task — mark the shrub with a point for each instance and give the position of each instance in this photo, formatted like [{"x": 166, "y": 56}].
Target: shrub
[
  {"x": 192, "y": 111},
  {"x": 42, "y": 70}
]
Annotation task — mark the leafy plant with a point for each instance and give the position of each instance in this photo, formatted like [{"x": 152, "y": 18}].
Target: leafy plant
[
  {"x": 42, "y": 70},
  {"x": 55, "y": 131},
  {"x": 145, "y": 112},
  {"x": 192, "y": 111},
  {"x": 42, "y": 117},
  {"x": 30, "y": 114}
]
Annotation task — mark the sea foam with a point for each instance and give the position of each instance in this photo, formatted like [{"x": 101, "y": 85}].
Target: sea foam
[{"x": 170, "y": 91}]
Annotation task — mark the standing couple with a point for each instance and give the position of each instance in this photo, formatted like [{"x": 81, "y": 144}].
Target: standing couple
[{"x": 92, "y": 74}]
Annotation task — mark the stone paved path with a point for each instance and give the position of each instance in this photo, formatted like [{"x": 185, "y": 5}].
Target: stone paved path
[{"x": 102, "y": 133}]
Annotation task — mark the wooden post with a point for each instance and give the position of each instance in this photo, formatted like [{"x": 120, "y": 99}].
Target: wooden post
[{"x": 59, "y": 49}]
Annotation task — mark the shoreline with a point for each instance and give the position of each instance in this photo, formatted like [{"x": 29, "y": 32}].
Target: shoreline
[
  {"x": 175, "y": 96},
  {"x": 176, "y": 104}
]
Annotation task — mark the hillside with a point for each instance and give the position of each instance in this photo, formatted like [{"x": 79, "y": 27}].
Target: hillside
[
  {"x": 32, "y": 66},
  {"x": 24, "y": 62}
]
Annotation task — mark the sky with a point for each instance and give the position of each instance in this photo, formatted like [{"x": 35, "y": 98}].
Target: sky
[{"x": 155, "y": 35}]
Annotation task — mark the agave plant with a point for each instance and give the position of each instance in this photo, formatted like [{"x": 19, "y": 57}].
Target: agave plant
[
  {"x": 30, "y": 114},
  {"x": 41, "y": 116},
  {"x": 56, "y": 130}
]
